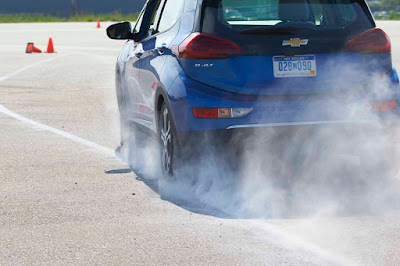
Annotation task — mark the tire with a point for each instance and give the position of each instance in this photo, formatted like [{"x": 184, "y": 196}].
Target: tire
[
  {"x": 124, "y": 123},
  {"x": 169, "y": 150},
  {"x": 124, "y": 130}
]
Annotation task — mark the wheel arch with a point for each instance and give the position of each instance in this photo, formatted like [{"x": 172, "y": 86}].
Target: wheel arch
[{"x": 160, "y": 98}]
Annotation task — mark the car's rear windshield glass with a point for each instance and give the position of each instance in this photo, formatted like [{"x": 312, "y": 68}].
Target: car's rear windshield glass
[{"x": 275, "y": 16}]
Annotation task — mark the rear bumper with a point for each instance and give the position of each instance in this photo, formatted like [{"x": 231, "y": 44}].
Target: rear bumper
[
  {"x": 245, "y": 138},
  {"x": 307, "y": 123},
  {"x": 278, "y": 111}
]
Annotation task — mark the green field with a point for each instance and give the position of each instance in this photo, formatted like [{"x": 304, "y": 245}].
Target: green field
[{"x": 116, "y": 16}]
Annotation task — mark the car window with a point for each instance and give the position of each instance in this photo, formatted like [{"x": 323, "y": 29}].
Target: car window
[
  {"x": 333, "y": 14},
  {"x": 138, "y": 23},
  {"x": 170, "y": 14},
  {"x": 149, "y": 19},
  {"x": 331, "y": 23},
  {"x": 155, "y": 17}
]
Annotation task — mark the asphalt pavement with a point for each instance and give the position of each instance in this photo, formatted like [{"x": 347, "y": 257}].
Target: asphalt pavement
[{"x": 66, "y": 199}]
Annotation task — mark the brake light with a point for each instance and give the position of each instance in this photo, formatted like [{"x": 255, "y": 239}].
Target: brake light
[
  {"x": 205, "y": 46},
  {"x": 374, "y": 41}
]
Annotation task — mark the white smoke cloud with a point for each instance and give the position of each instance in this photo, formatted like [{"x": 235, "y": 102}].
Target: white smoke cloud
[{"x": 292, "y": 172}]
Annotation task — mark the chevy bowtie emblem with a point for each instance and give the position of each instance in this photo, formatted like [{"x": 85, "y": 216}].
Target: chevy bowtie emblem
[{"x": 295, "y": 42}]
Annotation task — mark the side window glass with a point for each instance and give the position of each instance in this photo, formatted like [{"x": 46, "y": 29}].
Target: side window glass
[
  {"x": 156, "y": 18},
  {"x": 170, "y": 14},
  {"x": 153, "y": 15},
  {"x": 138, "y": 23}
]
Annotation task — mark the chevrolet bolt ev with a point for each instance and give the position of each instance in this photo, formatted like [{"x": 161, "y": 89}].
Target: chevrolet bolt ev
[{"x": 191, "y": 67}]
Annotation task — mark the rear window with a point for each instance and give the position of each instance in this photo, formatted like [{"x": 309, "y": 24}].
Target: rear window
[
  {"x": 335, "y": 14},
  {"x": 241, "y": 20}
]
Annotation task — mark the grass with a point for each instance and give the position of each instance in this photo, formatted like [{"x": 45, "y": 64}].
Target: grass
[
  {"x": 394, "y": 16},
  {"x": 22, "y": 17},
  {"x": 115, "y": 16}
]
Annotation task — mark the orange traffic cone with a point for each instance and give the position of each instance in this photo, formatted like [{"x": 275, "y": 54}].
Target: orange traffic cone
[
  {"x": 98, "y": 24},
  {"x": 30, "y": 48},
  {"x": 50, "y": 46},
  {"x": 36, "y": 50}
]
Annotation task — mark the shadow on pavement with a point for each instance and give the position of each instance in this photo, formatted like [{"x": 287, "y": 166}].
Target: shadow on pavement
[
  {"x": 118, "y": 171},
  {"x": 306, "y": 181},
  {"x": 153, "y": 182}
]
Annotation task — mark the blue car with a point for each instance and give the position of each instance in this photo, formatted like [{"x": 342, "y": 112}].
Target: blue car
[{"x": 189, "y": 68}]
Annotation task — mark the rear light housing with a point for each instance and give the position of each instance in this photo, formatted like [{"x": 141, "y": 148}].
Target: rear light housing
[
  {"x": 385, "y": 105},
  {"x": 381, "y": 106},
  {"x": 374, "y": 41},
  {"x": 205, "y": 46},
  {"x": 214, "y": 112}
]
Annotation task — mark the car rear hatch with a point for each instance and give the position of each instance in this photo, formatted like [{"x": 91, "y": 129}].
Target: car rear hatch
[{"x": 280, "y": 47}]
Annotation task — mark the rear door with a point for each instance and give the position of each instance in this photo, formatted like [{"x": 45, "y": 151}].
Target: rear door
[
  {"x": 133, "y": 94},
  {"x": 145, "y": 68},
  {"x": 288, "y": 46},
  {"x": 162, "y": 30}
]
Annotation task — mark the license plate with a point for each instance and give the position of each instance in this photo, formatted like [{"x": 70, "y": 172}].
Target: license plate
[{"x": 295, "y": 66}]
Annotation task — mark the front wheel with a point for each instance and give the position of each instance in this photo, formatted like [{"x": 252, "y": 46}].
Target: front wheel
[{"x": 169, "y": 148}]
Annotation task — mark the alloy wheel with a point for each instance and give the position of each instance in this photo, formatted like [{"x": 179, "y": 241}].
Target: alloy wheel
[{"x": 166, "y": 142}]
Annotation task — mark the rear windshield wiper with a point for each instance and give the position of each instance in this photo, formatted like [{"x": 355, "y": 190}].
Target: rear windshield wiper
[{"x": 269, "y": 31}]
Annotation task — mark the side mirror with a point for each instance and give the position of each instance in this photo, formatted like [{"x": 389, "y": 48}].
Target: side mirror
[{"x": 120, "y": 31}]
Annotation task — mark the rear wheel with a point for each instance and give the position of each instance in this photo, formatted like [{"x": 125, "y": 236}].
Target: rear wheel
[
  {"x": 121, "y": 151},
  {"x": 124, "y": 129},
  {"x": 124, "y": 123},
  {"x": 168, "y": 141}
]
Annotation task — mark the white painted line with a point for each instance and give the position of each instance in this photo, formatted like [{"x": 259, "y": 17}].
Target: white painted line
[
  {"x": 285, "y": 238},
  {"x": 29, "y": 66},
  {"x": 41, "y": 126},
  {"x": 64, "y": 134}
]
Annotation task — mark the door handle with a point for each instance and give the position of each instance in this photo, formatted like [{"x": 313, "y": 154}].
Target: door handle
[
  {"x": 139, "y": 53},
  {"x": 161, "y": 48}
]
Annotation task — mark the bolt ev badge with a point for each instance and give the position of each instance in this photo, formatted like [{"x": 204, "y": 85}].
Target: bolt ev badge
[{"x": 295, "y": 42}]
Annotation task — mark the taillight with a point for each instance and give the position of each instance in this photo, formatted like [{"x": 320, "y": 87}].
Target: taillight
[
  {"x": 374, "y": 41},
  {"x": 205, "y": 46}
]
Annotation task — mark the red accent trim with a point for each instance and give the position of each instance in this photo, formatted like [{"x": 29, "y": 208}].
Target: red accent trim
[{"x": 205, "y": 112}]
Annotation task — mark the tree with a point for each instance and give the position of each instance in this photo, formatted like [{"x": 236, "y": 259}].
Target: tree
[{"x": 75, "y": 6}]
